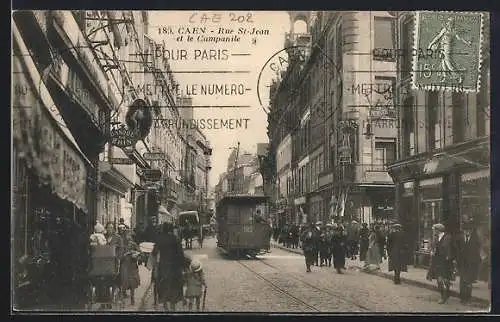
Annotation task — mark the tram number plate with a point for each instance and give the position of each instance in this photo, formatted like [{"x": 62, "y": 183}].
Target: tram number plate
[{"x": 247, "y": 228}]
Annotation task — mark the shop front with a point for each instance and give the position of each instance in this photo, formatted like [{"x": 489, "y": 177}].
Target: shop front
[
  {"x": 113, "y": 187},
  {"x": 50, "y": 202},
  {"x": 447, "y": 189}
]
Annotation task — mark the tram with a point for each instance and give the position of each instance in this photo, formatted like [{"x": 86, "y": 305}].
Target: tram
[{"x": 242, "y": 225}]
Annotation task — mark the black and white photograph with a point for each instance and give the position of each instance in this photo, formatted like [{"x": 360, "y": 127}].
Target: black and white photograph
[{"x": 286, "y": 162}]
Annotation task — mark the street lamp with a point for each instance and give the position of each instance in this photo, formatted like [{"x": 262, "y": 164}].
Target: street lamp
[{"x": 233, "y": 180}]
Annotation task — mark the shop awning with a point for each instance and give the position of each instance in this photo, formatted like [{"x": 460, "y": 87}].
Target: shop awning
[
  {"x": 471, "y": 176},
  {"x": 42, "y": 137}
]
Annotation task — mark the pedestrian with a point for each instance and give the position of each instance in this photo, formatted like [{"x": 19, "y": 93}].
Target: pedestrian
[
  {"x": 308, "y": 247},
  {"x": 114, "y": 239},
  {"x": 316, "y": 243},
  {"x": 352, "y": 240},
  {"x": 398, "y": 252},
  {"x": 122, "y": 222},
  {"x": 381, "y": 238},
  {"x": 170, "y": 267},
  {"x": 441, "y": 267},
  {"x": 129, "y": 270},
  {"x": 468, "y": 260},
  {"x": 98, "y": 238},
  {"x": 195, "y": 282},
  {"x": 364, "y": 232},
  {"x": 324, "y": 249},
  {"x": 373, "y": 253},
  {"x": 339, "y": 248}
]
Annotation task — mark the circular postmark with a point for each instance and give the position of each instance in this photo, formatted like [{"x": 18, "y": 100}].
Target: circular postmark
[{"x": 279, "y": 62}]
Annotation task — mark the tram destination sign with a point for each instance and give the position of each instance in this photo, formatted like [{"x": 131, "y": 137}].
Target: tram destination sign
[{"x": 154, "y": 156}]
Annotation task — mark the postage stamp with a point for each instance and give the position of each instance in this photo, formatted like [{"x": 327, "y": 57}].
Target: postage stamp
[{"x": 456, "y": 40}]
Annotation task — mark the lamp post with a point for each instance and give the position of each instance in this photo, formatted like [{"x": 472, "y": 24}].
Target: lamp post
[{"x": 233, "y": 179}]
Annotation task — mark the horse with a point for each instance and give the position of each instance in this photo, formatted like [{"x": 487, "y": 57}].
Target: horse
[{"x": 186, "y": 234}]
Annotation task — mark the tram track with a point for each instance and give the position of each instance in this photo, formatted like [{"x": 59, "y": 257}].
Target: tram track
[
  {"x": 279, "y": 288},
  {"x": 324, "y": 292}
]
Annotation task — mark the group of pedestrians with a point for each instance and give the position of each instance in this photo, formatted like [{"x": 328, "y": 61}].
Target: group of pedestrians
[
  {"x": 127, "y": 251},
  {"x": 460, "y": 253},
  {"x": 450, "y": 254},
  {"x": 177, "y": 276}
]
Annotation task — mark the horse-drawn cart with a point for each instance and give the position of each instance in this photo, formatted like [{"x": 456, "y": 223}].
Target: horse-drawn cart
[{"x": 189, "y": 226}]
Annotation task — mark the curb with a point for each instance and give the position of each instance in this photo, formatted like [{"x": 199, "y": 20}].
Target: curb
[{"x": 474, "y": 299}]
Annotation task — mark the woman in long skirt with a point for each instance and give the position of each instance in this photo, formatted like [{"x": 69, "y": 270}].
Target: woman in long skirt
[
  {"x": 339, "y": 248},
  {"x": 170, "y": 268},
  {"x": 129, "y": 270},
  {"x": 373, "y": 254}
]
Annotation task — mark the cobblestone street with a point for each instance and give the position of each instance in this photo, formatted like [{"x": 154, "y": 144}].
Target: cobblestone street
[{"x": 277, "y": 282}]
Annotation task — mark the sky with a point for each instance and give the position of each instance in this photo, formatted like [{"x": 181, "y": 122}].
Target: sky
[{"x": 168, "y": 26}]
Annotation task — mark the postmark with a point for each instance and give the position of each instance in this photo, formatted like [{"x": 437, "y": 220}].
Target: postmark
[
  {"x": 457, "y": 37},
  {"x": 279, "y": 62}
]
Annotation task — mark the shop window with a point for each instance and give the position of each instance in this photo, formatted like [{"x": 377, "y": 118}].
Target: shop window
[
  {"x": 385, "y": 152},
  {"x": 379, "y": 158},
  {"x": 384, "y": 37},
  {"x": 431, "y": 204}
]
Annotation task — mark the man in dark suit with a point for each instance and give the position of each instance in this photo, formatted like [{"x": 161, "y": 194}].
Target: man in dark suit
[
  {"x": 468, "y": 260},
  {"x": 441, "y": 267},
  {"x": 397, "y": 251}
]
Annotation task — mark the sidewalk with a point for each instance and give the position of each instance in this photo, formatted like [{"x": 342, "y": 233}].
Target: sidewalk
[
  {"x": 141, "y": 292},
  {"x": 415, "y": 276}
]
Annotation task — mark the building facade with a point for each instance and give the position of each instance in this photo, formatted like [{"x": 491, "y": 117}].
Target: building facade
[
  {"x": 331, "y": 113},
  {"x": 443, "y": 170},
  {"x": 79, "y": 78},
  {"x": 61, "y": 113}
]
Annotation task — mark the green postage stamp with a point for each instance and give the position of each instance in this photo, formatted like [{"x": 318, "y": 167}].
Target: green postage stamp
[{"x": 448, "y": 47}]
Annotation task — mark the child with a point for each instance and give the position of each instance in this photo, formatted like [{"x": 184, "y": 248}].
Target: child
[
  {"x": 98, "y": 238},
  {"x": 195, "y": 281}
]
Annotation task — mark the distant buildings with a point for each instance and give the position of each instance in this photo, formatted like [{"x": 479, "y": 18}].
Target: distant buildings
[
  {"x": 330, "y": 160},
  {"x": 243, "y": 175}
]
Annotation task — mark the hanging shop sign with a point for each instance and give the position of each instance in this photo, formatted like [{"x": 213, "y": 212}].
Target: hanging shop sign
[
  {"x": 42, "y": 138},
  {"x": 154, "y": 156},
  {"x": 138, "y": 122},
  {"x": 123, "y": 137},
  {"x": 139, "y": 118},
  {"x": 151, "y": 174},
  {"x": 121, "y": 161}
]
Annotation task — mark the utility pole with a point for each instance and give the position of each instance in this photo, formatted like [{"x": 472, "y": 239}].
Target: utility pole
[{"x": 234, "y": 169}]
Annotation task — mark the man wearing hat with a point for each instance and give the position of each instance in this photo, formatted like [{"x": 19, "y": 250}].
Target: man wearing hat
[
  {"x": 397, "y": 251},
  {"x": 468, "y": 260},
  {"x": 441, "y": 267}
]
